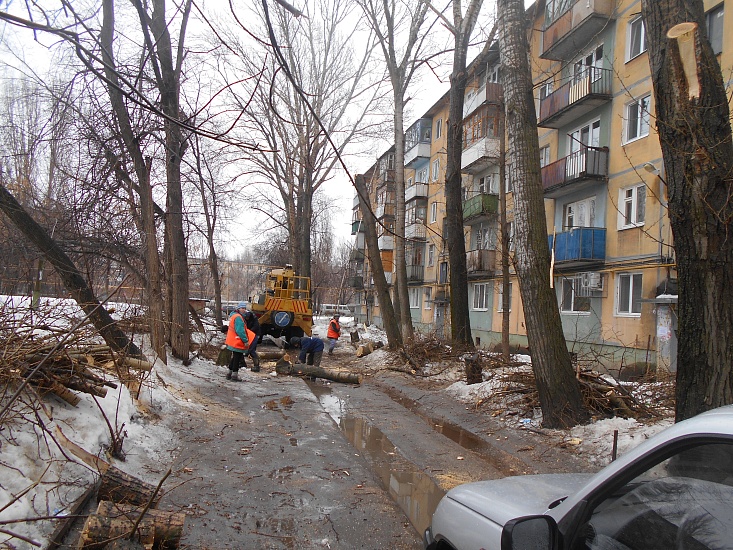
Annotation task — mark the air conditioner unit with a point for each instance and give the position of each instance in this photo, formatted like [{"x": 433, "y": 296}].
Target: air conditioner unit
[{"x": 591, "y": 280}]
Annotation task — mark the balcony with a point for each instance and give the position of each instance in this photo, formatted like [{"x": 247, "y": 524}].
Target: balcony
[
  {"x": 384, "y": 210},
  {"x": 416, "y": 191},
  {"x": 488, "y": 93},
  {"x": 580, "y": 95},
  {"x": 415, "y": 273},
  {"x": 356, "y": 227},
  {"x": 357, "y": 256},
  {"x": 478, "y": 155},
  {"x": 571, "y": 26},
  {"x": 575, "y": 172},
  {"x": 386, "y": 242},
  {"x": 417, "y": 141},
  {"x": 357, "y": 282},
  {"x": 416, "y": 230},
  {"x": 579, "y": 247},
  {"x": 480, "y": 208},
  {"x": 480, "y": 261}
]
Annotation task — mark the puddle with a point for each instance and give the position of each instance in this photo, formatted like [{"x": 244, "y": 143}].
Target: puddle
[{"x": 413, "y": 491}]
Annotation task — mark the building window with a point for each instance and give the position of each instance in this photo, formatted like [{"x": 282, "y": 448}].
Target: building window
[
  {"x": 438, "y": 128},
  {"x": 637, "y": 118},
  {"x": 428, "y": 298},
  {"x": 628, "y": 297},
  {"x": 431, "y": 255},
  {"x": 636, "y": 38},
  {"x": 714, "y": 22},
  {"x": 632, "y": 206},
  {"x": 500, "y": 296},
  {"x": 544, "y": 156},
  {"x": 433, "y": 212},
  {"x": 480, "y": 296},
  {"x": 579, "y": 214},
  {"x": 436, "y": 169},
  {"x": 409, "y": 182},
  {"x": 443, "y": 275},
  {"x": 422, "y": 176},
  {"x": 414, "y": 297},
  {"x": 571, "y": 301}
]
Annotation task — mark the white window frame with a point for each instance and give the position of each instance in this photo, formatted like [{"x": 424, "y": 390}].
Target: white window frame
[
  {"x": 428, "y": 297},
  {"x": 438, "y": 128},
  {"x": 714, "y": 23},
  {"x": 414, "y": 293},
  {"x": 570, "y": 284},
  {"x": 436, "y": 169},
  {"x": 631, "y": 206},
  {"x": 637, "y": 118},
  {"x": 635, "y": 25},
  {"x": 480, "y": 297},
  {"x": 631, "y": 306},
  {"x": 431, "y": 255},
  {"x": 544, "y": 156},
  {"x": 409, "y": 182},
  {"x": 433, "y": 212},
  {"x": 500, "y": 296}
]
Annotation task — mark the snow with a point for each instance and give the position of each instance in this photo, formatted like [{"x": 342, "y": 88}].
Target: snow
[{"x": 38, "y": 478}]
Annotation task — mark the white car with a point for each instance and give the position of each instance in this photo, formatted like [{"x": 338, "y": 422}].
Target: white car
[{"x": 672, "y": 492}]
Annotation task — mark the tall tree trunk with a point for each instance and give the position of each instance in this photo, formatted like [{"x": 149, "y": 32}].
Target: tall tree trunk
[
  {"x": 73, "y": 280},
  {"x": 156, "y": 309},
  {"x": 389, "y": 319},
  {"x": 504, "y": 235},
  {"x": 693, "y": 121},
  {"x": 175, "y": 145},
  {"x": 402, "y": 292},
  {"x": 559, "y": 392}
]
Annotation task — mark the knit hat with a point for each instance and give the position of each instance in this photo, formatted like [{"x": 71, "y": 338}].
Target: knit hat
[
  {"x": 295, "y": 341},
  {"x": 241, "y": 305}
]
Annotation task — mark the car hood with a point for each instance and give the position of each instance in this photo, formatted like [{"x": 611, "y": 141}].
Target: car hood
[{"x": 501, "y": 500}]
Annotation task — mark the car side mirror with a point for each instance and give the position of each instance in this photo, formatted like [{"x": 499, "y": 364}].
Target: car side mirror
[{"x": 530, "y": 532}]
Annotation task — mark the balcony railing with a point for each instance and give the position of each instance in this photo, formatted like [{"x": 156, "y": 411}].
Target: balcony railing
[
  {"x": 415, "y": 273},
  {"x": 356, "y": 227},
  {"x": 479, "y": 154},
  {"x": 580, "y": 245},
  {"x": 490, "y": 92},
  {"x": 569, "y": 23},
  {"x": 357, "y": 256},
  {"x": 416, "y": 191},
  {"x": 416, "y": 230},
  {"x": 480, "y": 206},
  {"x": 386, "y": 242},
  {"x": 356, "y": 281},
  {"x": 579, "y": 95},
  {"x": 588, "y": 163},
  {"x": 480, "y": 261}
]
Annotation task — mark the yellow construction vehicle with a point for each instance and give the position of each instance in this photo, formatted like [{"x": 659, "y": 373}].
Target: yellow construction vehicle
[{"x": 284, "y": 308}]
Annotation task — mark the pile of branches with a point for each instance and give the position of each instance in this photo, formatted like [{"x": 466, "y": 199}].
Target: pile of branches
[{"x": 603, "y": 396}]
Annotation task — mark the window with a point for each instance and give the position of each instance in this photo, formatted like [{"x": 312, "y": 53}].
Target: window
[
  {"x": 414, "y": 297},
  {"x": 500, "y": 296},
  {"x": 421, "y": 176},
  {"x": 571, "y": 302},
  {"x": 544, "y": 156},
  {"x": 636, "y": 39},
  {"x": 433, "y": 212},
  {"x": 431, "y": 254},
  {"x": 579, "y": 214},
  {"x": 443, "y": 275},
  {"x": 438, "y": 128},
  {"x": 480, "y": 296},
  {"x": 590, "y": 65},
  {"x": 628, "y": 297},
  {"x": 637, "y": 119},
  {"x": 427, "y": 298},
  {"x": 409, "y": 182},
  {"x": 714, "y": 22},
  {"x": 436, "y": 169},
  {"x": 545, "y": 89},
  {"x": 684, "y": 501},
  {"x": 631, "y": 206}
]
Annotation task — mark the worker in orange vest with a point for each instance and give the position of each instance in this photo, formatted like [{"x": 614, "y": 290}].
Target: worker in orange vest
[
  {"x": 334, "y": 331},
  {"x": 238, "y": 340}
]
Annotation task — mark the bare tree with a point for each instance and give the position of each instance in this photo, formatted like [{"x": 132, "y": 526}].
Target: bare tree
[
  {"x": 387, "y": 20},
  {"x": 559, "y": 392},
  {"x": 693, "y": 121}
]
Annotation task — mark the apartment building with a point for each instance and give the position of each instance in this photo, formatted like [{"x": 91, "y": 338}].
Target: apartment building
[{"x": 603, "y": 178}]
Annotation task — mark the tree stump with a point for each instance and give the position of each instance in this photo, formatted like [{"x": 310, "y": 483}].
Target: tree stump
[
  {"x": 354, "y": 336},
  {"x": 120, "y": 487},
  {"x": 474, "y": 369},
  {"x": 168, "y": 526}
]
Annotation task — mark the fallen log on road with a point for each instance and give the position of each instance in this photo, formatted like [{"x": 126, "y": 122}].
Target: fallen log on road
[{"x": 284, "y": 367}]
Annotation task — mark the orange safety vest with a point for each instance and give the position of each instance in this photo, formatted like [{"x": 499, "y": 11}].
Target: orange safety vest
[
  {"x": 331, "y": 332},
  {"x": 233, "y": 340}
]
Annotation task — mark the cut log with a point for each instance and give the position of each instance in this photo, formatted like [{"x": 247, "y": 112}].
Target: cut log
[
  {"x": 120, "y": 487},
  {"x": 317, "y": 372},
  {"x": 365, "y": 349},
  {"x": 99, "y": 531},
  {"x": 137, "y": 364},
  {"x": 64, "y": 393},
  {"x": 271, "y": 355},
  {"x": 168, "y": 526}
]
